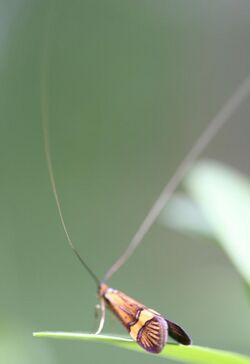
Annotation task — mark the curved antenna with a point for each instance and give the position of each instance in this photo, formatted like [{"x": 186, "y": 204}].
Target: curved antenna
[
  {"x": 45, "y": 122},
  {"x": 223, "y": 116}
]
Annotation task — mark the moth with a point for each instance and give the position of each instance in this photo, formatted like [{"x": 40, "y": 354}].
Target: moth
[{"x": 146, "y": 326}]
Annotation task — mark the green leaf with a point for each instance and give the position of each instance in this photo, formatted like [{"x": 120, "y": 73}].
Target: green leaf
[
  {"x": 184, "y": 354},
  {"x": 223, "y": 195}
]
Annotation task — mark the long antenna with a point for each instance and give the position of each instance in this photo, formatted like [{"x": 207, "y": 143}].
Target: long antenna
[
  {"x": 223, "y": 116},
  {"x": 45, "y": 123}
]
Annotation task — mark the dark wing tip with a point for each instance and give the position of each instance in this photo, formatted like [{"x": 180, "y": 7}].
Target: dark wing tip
[{"x": 178, "y": 334}]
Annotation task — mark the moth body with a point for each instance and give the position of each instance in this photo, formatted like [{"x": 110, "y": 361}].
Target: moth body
[{"x": 146, "y": 326}]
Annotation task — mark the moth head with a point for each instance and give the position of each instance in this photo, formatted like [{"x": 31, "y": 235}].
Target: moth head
[{"x": 102, "y": 289}]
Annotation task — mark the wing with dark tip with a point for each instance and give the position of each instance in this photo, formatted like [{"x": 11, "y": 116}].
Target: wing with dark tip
[{"x": 178, "y": 334}]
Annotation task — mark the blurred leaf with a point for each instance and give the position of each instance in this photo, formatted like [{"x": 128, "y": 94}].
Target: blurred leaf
[
  {"x": 17, "y": 346},
  {"x": 185, "y": 354},
  {"x": 222, "y": 196},
  {"x": 182, "y": 213}
]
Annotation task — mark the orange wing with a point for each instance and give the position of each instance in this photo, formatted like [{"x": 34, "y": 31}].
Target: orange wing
[
  {"x": 144, "y": 325},
  {"x": 124, "y": 307}
]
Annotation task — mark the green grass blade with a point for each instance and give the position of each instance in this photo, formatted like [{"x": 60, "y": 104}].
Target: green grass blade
[{"x": 185, "y": 354}]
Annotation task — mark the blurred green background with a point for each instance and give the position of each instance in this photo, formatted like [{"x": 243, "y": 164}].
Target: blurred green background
[{"x": 131, "y": 85}]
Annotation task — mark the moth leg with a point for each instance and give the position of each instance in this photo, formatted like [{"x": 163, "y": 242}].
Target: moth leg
[
  {"x": 102, "y": 320},
  {"x": 97, "y": 310}
]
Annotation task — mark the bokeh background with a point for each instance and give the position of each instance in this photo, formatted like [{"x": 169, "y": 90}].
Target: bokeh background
[{"x": 131, "y": 84}]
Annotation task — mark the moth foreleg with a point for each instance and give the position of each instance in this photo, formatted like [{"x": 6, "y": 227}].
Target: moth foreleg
[{"x": 102, "y": 319}]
